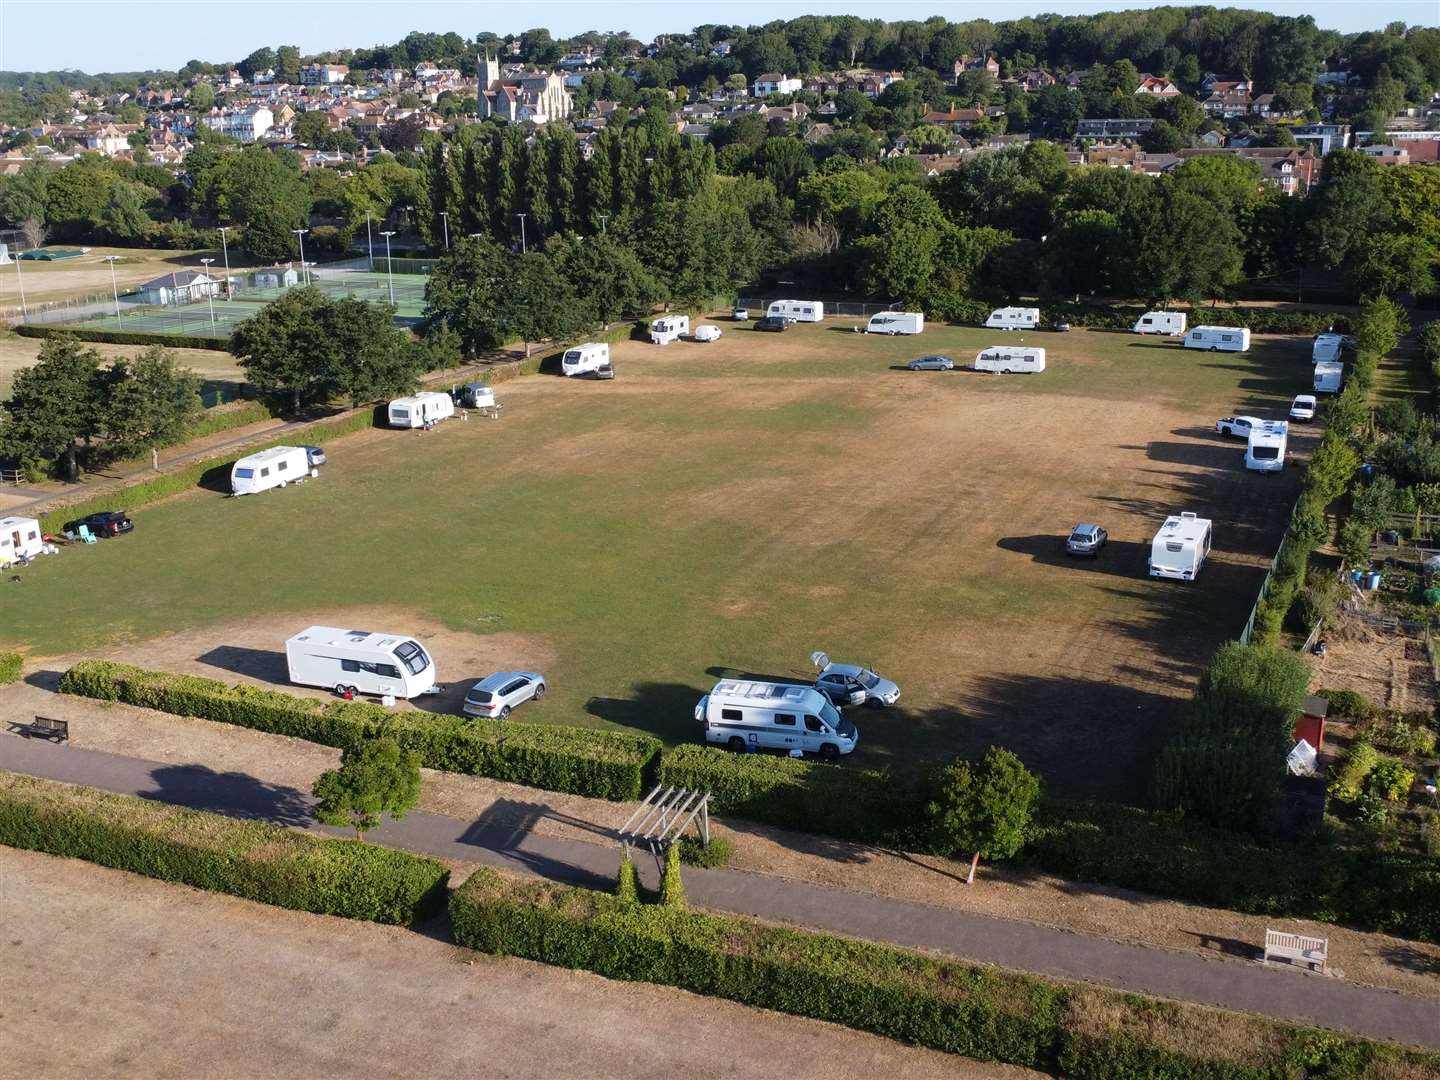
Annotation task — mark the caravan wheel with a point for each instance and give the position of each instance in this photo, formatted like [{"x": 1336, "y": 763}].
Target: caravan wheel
[
  {"x": 1214, "y": 348},
  {"x": 736, "y": 744},
  {"x": 829, "y": 752}
]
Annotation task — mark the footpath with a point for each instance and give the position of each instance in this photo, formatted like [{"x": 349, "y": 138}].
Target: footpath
[{"x": 1293, "y": 996}]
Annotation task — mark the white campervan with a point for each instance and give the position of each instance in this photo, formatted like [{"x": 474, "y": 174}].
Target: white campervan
[
  {"x": 1160, "y": 322},
  {"x": 421, "y": 410},
  {"x": 1329, "y": 377},
  {"x": 1180, "y": 547},
  {"x": 20, "y": 538},
  {"x": 583, "y": 359},
  {"x": 799, "y": 310},
  {"x": 1004, "y": 360},
  {"x": 273, "y": 468},
  {"x": 1219, "y": 338},
  {"x": 1013, "y": 318},
  {"x": 896, "y": 322},
  {"x": 1265, "y": 450},
  {"x": 669, "y": 328},
  {"x": 746, "y": 715},
  {"x": 360, "y": 662},
  {"x": 1326, "y": 348}
]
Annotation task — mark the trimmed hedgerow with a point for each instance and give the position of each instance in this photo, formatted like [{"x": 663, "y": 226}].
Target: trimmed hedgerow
[
  {"x": 11, "y": 664},
  {"x": 254, "y": 860},
  {"x": 601, "y": 764},
  {"x": 124, "y": 337}
]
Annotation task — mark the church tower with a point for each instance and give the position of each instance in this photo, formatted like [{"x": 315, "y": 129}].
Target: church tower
[{"x": 489, "y": 72}]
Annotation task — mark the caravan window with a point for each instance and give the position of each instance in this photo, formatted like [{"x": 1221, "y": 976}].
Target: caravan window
[
  {"x": 1266, "y": 453},
  {"x": 412, "y": 656},
  {"x": 265, "y": 471},
  {"x": 730, "y": 714},
  {"x": 244, "y": 474},
  {"x": 281, "y": 466},
  {"x": 784, "y": 719}
]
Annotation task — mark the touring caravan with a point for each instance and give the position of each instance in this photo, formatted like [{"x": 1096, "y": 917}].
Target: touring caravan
[
  {"x": 799, "y": 310},
  {"x": 1329, "y": 377},
  {"x": 1219, "y": 338},
  {"x": 584, "y": 359},
  {"x": 273, "y": 468},
  {"x": 1180, "y": 547},
  {"x": 1265, "y": 450},
  {"x": 746, "y": 715},
  {"x": 896, "y": 322},
  {"x": 1004, "y": 360},
  {"x": 669, "y": 328},
  {"x": 359, "y": 662},
  {"x": 421, "y": 410},
  {"x": 1160, "y": 322},
  {"x": 1013, "y": 318},
  {"x": 20, "y": 538},
  {"x": 1327, "y": 348}
]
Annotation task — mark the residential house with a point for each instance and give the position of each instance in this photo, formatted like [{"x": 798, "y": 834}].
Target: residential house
[
  {"x": 1226, "y": 104},
  {"x": 1323, "y": 137},
  {"x": 323, "y": 74},
  {"x": 1157, "y": 86},
  {"x": 1333, "y": 78},
  {"x": 1387, "y": 155},
  {"x": 772, "y": 82},
  {"x": 722, "y": 48},
  {"x": 230, "y": 80},
  {"x": 700, "y": 132},
  {"x": 1115, "y": 128},
  {"x": 248, "y": 125},
  {"x": 977, "y": 63},
  {"x": 961, "y": 119},
  {"x": 1292, "y": 169},
  {"x": 1034, "y": 80},
  {"x": 110, "y": 139},
  {"x": 263, "y": 77},
  {"x": 179, "y": 287}
]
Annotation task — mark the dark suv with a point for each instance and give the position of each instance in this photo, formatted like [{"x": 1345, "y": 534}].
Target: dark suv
[
  {"x": 105, "y": 523},
  {"x": 773, "y": 323}
]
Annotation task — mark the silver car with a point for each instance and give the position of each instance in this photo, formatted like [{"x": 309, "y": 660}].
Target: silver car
[
  {"x": 1086, "y": 540},
  {"x": 932, "y": 363},
  {"x": 495, "y": 696},
  {"x": 850, "y": 684}
]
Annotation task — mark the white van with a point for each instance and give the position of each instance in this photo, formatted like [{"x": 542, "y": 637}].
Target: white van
[
  {"x": 19, "y": 539},
  {"x": 708, "y": 332},
  {"x": 745, "y": 715},
  {"x": 1180, "y": 547},
  {"x": 273, "y": 468},
  {"x": 669, "y": 328},
  {"x": 1265, "y": 449},
  {"x": 583, "y": 359},
  {"x": 896, "y": 322},
  {"x": 1160, "y": 322},
  {"x": 359, "y": 662},
  {"x": 1219, "y": 338},
  {"x": 799, "y": 310},
  {"x": 420, "y": 410},
  {"x": 1329, "y": 377},
  {"x": 1326, "y": 348},
  {"x": 1004, "y": 360},
  {"x": 1013, "y": 318}
]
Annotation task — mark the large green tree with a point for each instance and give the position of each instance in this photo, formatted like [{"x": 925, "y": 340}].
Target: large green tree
[
  {"x": 150, "y": 402},
  {"x": 984, "y": 806},
  {"x": 54, "y": 404},
  {"x": 1348, "y": 206},
  {"x": 375, "y": 778}
]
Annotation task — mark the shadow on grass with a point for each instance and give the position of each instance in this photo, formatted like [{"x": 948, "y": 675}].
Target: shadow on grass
[
  {"x": 264, "y": 664},
  {"x": 666, "y": 710},
  {"x": 1123, "y": 558}
]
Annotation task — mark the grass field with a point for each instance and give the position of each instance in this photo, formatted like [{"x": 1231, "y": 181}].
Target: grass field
[
  {"x": 732, "y": 507},
  {"x": 89, "y": 274},
  {"x": 216, "y": 369}
]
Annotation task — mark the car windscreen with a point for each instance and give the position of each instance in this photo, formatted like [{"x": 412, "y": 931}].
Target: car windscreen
[
  {"x": 830, "y": 715},
  {"x": 481, "y": 695},
  {"x": 412, "y": 656},
  {"x": 869, "y": 680}
]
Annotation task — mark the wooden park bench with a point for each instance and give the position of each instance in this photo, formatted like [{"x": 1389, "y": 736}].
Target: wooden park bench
[
  {"x": 1296, "y": 949},
  {"x": 43, "y": 727}
]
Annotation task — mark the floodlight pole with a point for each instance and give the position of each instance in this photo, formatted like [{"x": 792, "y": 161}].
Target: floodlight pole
[
  {"x": 522, "y": 233},
  {"x": 445, "y": 224},
  {"x": 24, "y": 314},
  {"x": 301, "y": 234},
  {"x": 369, "y": 241},
  {"x": 209, "y": 292},
  {"x": 389, "y": 266},
  {"x": 225, "y": 248},
  {"x": 114, "y": 289}
]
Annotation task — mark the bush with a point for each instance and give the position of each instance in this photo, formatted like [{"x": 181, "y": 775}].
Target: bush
[
  {"x": 11, "y": 665},
  {"x": 1347, "y": 704},
  {"x": 601, "y": 764},
  {"x": 716, "y": 853},
  {"x": 123, "y": 337},
  {"x": 672, "y": 884},
  {"x": 627, "y": 887},
  {"x": 984, "y": 806},
  {"x": 1349, "y": 782},
  {"x": 227, "y": 418},
  {"x": 1430, "y": 832},
  {"x": 249, "y": 859},
  {"x": 1390, "y": 780}
]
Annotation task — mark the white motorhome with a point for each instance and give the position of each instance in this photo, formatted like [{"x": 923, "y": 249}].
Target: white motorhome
[
  {"x": 896, "y": 322},
  {"x": 1013, "y": 318},
  {"x": 1219, "y": 338},
  {"x": 1004, "y": 360},
  {"x": 1160, "y": 322},
  {"x": 359, "y": 662},
  {"x": 20, "y": 538},
  {"x": 1180, "y": 547},
  {"x": 669, "y": 328},
  {"x": 583, "y": 359},
  {"x": 1265, "y": 450},
  {"x": 421, "y": 410},
  {"x": 799, "y": 310},
  {"x": 747, "y": 715},
  {"x": 273, "y": 468},
  {"x": 1327, "y": 348},
  {"x": 1329, "y": 377}
]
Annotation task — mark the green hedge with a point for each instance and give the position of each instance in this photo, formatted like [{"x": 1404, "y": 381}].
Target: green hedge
[
  {"x": 601, "y": 764},
  {"x": 216, "y": 420},
  {"x": 11, "y": 664},
  {"x": 250, "y": 859},
  {"x": 1260, "y": 320},
  {"x": 123, "y": 337},
  {"x": 948, "y": 1005}
]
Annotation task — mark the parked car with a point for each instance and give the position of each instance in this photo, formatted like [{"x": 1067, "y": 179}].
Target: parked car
[
  {"x": 104, "y": 524},
  {"x": 1238, "y": 426},
  {"x": 1062, "y": 327},
  {"x": 773, "y": 324},
  {"x": 850, "y": 684},
  {"x": 741, "y": 314},
  {"x": 1303, "y": 408},
  {"x": 932, "y": 363},
  {"x": 316, "y": 454},
  {"x": 1086, "y": 540},
  {"x": 496, "y": 695},
  {"x": 604, "y": 371}
]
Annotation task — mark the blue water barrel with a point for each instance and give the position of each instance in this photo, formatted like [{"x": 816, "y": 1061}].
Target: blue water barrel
[{"x": 1372, "y": 580}]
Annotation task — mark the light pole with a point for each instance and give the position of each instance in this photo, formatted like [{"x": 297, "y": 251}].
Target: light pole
[
  {"x": 369, "y": 241},
  {"x": 114, "y": 289},
  {"x": 389, "y": 266},
  {"x": 225, "y": 247},
  {"x": 209, "y": 293},
  {"x": 24, "y": 315},
  {"x": 603, "y": 219},
  {"x": 522, "y": 233},
  {"x": 445, "y": 224},
  {"x": 301, "y": 234}
]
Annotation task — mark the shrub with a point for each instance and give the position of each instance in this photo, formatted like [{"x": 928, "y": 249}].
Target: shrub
[
  {"x": 124, "y": 337},
  {"x": 1371, "y": 811},
  {"x": 672, "y": 883},
  {"x": 1349, "y": 782},
  {"x": 984, "y": 806},
  {"x": 249, "y": 859},
  {"x": 627, "y": 888},
  {"x": 375, "y": 777},
  {"x": 1347, "y": 704},
  {"x": 11, "y": 665},
  {"x": 601, "y": 764},
  {"x": 1430, "y": 830},
  {"x": 1390, "y": 780},
  {"x": 1405, "y": 737},
  {"x": 716, "y": 853}
]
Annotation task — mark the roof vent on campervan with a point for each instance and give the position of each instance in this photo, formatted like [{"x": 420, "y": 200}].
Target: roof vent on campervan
[{"x": 1013, "y": 318}]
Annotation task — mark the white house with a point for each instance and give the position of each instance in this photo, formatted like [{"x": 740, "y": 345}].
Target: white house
[
  {"x": 248, "y": 125},
  {"x": 323, "y": 74},
  {"x": 263, "y": 77},
  {"x": 774, "y": 83},
  {"x": 181, "y": 287}
]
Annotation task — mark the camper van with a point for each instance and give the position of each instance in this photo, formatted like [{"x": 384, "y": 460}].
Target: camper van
[
  {"x": 273, "y": 468},
  {"x": 1327, "y": 348},
  {"x": 359, "y": 662},
  {"x": 1219, "y": 338},
  {"x": 707, "y": 332},
  {"x": 1265, "y": 450},
  {"x": 746, "y": 715},
  {"x": 421, "y": 410},
  {"x": 20, "y": 538},
  {"x": 1013, "y": 318},
  {"x": 584, "y": 359},
  {"x": 670, "y": 328},
  {"x": 1004, "y": 360},
  {"x": 1180, "y": 547},
  {"x": 798, "y": 310},
  {"x": 1329, "y": 377},
  {"x": 477, "y": 395},
  {"x": 1160, "y": 322},
  {"x": 896, "y": 322}
]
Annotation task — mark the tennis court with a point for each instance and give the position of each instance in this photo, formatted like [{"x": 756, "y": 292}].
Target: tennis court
[{"x": 406, "y": 290}]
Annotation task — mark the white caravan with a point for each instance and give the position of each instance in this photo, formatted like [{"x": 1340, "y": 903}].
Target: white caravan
[
  {"x": 1219, "y": 338},
  {"x": 1180, "y": 547},
  {"x": 746, "y": 715},
  {"x": 584, "y": 359},
  {"x": 1265, "y": 450},
  {"x": 421, "y": 410},
  {"x": 360, "y": 662},
  {"x": 1004, "y": 360},
  {"x": 1329, "y": 377},
  {"x": 1326, "y": 348},
  {"x": 896, "y": 322},
  {"x": 670, "y": 328},
  {"x": 1013, "y": 318},
  {"x": 20, "y": 538},
  {"x": 273, "y": 468},
  {"x": 799, "y": 310},
  {"x": 1160, "y": 322}
]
